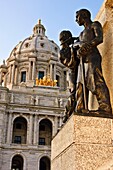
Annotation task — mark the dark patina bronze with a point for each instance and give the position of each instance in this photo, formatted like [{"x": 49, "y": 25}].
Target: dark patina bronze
[{"x": 82, "y": 57}]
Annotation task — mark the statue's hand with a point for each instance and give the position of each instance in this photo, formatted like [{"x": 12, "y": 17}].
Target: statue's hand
[
  {"x": 65, "y": 55},
  {"x": 84, "y": 49}
]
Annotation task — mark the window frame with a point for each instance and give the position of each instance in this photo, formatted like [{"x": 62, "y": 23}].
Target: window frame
[
  {"x": 23, "y": 77},
  {"x": 18, "y": 139},
  {"x": 40, "y": 72},
  {"x": 42, "y": 141}
]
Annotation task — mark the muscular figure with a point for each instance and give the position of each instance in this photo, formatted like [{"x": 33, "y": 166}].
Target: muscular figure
[
  {"x": 89, "y": 39},
  {"x": 68, "y": 57}
]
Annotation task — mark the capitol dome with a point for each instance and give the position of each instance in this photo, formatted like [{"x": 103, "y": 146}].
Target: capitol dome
[
  {"x": 37, "y": 42},
  {"x": 34, "y": 58}
]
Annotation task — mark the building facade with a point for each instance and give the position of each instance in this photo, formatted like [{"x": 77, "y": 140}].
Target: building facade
[
  {"x": 105, "y": 16},
  {"x": 32, "y": 99}
]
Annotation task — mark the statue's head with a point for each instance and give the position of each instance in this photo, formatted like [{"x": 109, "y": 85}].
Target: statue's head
[
  {"x": 82, "y": 15},
  {"x": 66, "y": 37}
]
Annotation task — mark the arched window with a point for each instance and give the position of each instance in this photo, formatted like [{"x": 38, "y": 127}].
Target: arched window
[
  {"x": 44, "y": 163},
  {"x": 17, "y": 163},
  {"x": 45, "y": 132},
  {"x": 19, "y": 130}
]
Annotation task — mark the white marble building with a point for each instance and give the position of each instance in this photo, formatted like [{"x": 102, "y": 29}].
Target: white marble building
[{"x": 31, "y": 113}]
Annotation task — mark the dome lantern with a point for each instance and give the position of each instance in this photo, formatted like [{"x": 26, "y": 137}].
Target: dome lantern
[{"x": 39, "y": 29}]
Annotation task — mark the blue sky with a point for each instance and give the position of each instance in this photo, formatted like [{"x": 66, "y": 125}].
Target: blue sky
[{"x": 18, "y": 17}]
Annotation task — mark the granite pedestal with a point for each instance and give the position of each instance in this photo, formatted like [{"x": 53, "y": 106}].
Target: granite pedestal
[{"x": 84, "y": 143}]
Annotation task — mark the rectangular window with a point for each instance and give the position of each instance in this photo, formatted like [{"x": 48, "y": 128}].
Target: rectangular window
[
  {"x": 65, "y": 73},
  {"x": 17, "y": 139},
  {"x": 23, "y": 76},
  {"x": 58, "y": 80},
  {"x": 41, "y": 141},
  {"x": 40, "y": 74}
]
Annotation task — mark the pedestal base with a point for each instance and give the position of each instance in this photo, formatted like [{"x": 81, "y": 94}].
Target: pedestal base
[{"x": 83, "y": 143}]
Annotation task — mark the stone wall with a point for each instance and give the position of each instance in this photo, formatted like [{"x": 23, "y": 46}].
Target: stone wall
[
  {"x": 105, "y": 16},
  {"x": 33, "y": 105}
]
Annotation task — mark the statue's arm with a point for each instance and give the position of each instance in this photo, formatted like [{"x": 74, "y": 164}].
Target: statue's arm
[
  {"x": 97, "y": 28},
  {"x": 72, "y": 58},
  {"x": 64, "y": 56}
]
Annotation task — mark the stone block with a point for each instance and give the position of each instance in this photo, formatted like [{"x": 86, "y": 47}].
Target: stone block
[{"x": 83, "y": 143}]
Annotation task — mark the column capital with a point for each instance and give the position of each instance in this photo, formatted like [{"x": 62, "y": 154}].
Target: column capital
[
  {"x": 52, "y": 62},
  {"x": 32, "y": 56},
  {"x": 65, "y": 69}
]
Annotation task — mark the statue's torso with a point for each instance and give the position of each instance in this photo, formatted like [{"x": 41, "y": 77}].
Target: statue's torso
[{"x": 87, "y": 35}]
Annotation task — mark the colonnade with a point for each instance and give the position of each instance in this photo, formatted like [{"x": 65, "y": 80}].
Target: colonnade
[
  {"x": 32, "y": 127},
  {"x": 13, "y": 71},
  {"x": 13, "y": 76}
]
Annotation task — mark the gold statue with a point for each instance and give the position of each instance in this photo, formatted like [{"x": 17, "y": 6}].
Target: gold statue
[{"x": 46, "y": 81}]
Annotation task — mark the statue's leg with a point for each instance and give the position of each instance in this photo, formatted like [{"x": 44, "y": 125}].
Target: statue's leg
[
  {"x": 72, "y": 103},
  {"x": 80, "y": 104},
  {"x": 72, "y": 87},
  {"x": 79, "y": 97},
  {"x": 102, "y": 93}
]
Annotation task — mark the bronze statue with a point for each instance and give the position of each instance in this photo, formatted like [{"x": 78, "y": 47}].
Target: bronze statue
[
  {"x": 68, "y": 57},
  {"x": 88, "y": 68}
]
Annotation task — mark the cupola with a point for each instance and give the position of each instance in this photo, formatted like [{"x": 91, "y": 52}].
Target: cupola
[{"x": 39, "y": 29}]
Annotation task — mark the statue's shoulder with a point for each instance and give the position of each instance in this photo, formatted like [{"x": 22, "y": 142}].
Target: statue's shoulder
[
  {"x": 96, "y": 24},
  {"x": 65, "y": 50}
]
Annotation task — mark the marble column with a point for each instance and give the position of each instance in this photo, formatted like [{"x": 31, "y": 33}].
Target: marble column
[
  {"x": 30, "y": 129},
  {"x": 0, "y": 78},
  {"x": 35, "y": 130},
  {"x": 10, "y": 73},
  {"x": 30, "y": 70},
  {"x": 33, "y": 75},
  {"x": 9, "y": 137},
  {"x": 51, "y": 71},
  {"x": 13, "y": 73},
  {"x": 55, "y": 128},
  {"x": 54, "y": 71},
  {"x": 16, "y": 75}
]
